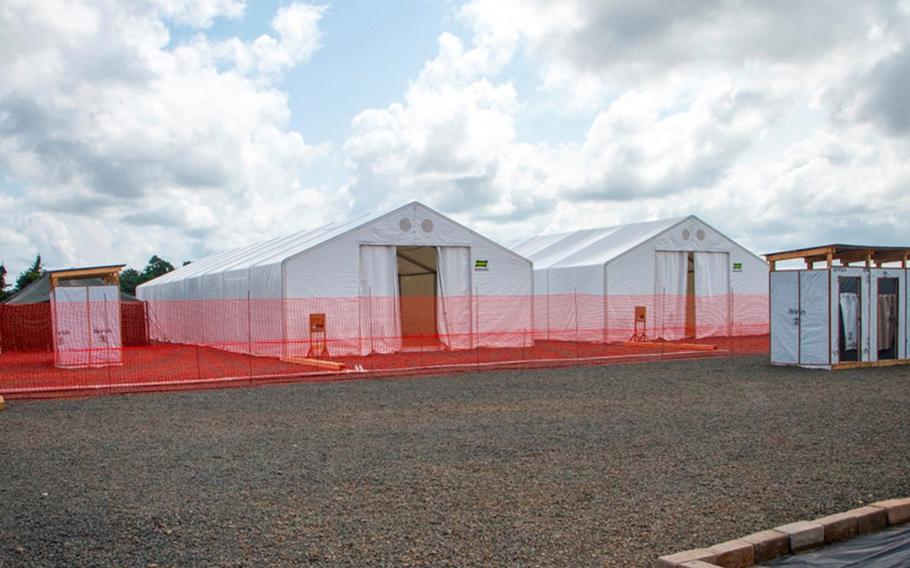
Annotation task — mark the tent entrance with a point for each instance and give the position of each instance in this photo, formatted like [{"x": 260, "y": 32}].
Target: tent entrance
[
  {"x": 690, "y": 296},
  {"x": 417, "y": 285},
  {"x": 887, "y": 318},
  {"x": 849, "y": 310}
]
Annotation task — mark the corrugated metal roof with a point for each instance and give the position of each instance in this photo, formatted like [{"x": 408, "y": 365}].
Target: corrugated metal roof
[{"x": 588, "y": 247}]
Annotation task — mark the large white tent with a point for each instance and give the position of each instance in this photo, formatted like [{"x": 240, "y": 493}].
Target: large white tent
[
  {"x": 377, "y": 279},
  {"x": 691, "y": 280}
]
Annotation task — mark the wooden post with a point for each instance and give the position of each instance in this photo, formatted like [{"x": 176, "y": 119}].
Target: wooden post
[
  {"x": 808, "y": 264},
  {"x": 868, "y": 259},
  {"x": 830, "y": 259},
  {"x": 773, "y": 265}
]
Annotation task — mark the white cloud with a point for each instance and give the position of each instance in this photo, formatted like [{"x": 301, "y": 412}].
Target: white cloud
[
  {"x": 113, "y": 133},
  {"x": 725, "y": 109},
  {"x": 200, "y": 13}
]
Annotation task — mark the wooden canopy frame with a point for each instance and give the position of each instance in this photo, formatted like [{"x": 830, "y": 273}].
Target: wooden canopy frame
[
  {"x": 110, "y": 274},
  {"x": 844, "y": 254}
]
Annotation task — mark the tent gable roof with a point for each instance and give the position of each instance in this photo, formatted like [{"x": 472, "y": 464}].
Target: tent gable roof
[
  {"x": 591, "y": 246},
  {"x": 283, "y": 249}
]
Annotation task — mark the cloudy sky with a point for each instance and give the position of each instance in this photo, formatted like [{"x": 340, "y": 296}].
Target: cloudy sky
[{"x": 132, "y": 128}]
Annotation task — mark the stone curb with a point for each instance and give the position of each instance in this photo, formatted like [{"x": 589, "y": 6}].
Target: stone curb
[{"x": 796, "y": 537}]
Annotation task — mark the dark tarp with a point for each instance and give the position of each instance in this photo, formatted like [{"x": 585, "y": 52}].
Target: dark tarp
[{"x": 885, "y": 549}]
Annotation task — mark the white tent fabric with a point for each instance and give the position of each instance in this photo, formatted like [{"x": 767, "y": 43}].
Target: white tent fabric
[
  {"x": 785, "y": 311},
  {"x": 670, "y": 290},
  {"x": 284, "y": 280},
  {"x": 813, "y": 325},
  {"x": 86, "y": 322},
  {"x": 607, "y": 272},
  {"x": 849, "y": 313},
  {"x": 712, "y": 293},
  {"x": 453, "y": 289},
  {"x": 381, "y": 328}
]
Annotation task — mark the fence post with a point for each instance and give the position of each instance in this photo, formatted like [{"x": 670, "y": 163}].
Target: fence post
[
  {"x": 476, "y": 331},
  {"x": 249, "y": 333},
  {"x": 370, "y": 316},
  {"x": 109, "y": 354},
  {"x": 577, "y": 339},
  {"x": 663, "y": 321}
]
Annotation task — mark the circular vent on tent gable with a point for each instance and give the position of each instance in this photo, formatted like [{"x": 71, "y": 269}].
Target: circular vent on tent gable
[
  {"x": 700, "y": 234},
  {"x": 427, "y": 226},
  {"x": 405, "y": 225},
  {"x": 686, "y": 234}
]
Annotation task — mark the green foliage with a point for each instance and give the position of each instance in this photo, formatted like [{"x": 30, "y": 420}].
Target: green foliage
[
  {"x": 3, "y": 285},
  {"x": 131, "y": 278},
  {"x": 156, "y": 267},
  {"x": 30, "y": 275}
]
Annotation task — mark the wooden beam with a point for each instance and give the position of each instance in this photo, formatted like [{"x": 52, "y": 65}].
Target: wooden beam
[
  {"x": 847, "y": 257},
  {"x": 416, "y": 262},
  {"x": 790, "y": 255},
  {"x": 85, "y": 273}
]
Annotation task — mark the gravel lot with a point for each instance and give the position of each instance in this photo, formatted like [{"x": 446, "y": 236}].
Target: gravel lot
[{"x": 569, "y": 467}]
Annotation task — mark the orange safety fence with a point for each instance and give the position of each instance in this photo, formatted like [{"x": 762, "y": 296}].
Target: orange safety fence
[{"x": 93, "y": 347}]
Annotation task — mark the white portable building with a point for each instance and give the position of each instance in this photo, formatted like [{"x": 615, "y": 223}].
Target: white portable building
[
  {"x": 840, "y": 316},
  {"x": 86, "y": 326},
  {"x": 379, "y": 281},
  {"x": 690, "y": 280}
]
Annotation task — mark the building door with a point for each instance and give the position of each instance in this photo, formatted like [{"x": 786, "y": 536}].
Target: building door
[{"x": 417, "y": 284}]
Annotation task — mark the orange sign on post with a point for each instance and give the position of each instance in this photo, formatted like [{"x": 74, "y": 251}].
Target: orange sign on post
[
  {"x": 641, "y": 324},
  {"x": 318, "y": 341}
]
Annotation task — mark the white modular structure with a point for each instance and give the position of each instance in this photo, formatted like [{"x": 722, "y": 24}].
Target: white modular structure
[
  {"x": 841, "y": 316},
  {"x": 691, "y": 280},
  {"x": 373, "y": 278},
  {"x": 86, "y": 326}
]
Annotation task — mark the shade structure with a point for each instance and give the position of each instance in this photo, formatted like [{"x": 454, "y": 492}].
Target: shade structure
[
  {"x": 677, "y": 277},
  {"x": 364, "y": 286}
]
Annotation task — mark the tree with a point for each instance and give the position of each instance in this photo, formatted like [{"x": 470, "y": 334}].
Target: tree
[
  {"x": 129, "y": 280},
  {"x": 3, "y": 285},
  {"x": 30, "y": 275},
  {"x": 156, "y": 267}
]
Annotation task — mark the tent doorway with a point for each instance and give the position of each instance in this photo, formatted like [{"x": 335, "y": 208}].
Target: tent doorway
[
  {"x": 888, "y": 308},
  {"x": 850, "y": 319},
  {"x": 690, "y": 296},
  {"x": 417, "y": 285}
]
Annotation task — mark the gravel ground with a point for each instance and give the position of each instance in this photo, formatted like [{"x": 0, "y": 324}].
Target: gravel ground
[{"x": 569, "y": 467}]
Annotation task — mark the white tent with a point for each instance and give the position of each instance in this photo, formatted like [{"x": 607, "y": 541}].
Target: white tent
[
  {"x": 691, "y": 280},
  {"x": 378, "y": 280}
]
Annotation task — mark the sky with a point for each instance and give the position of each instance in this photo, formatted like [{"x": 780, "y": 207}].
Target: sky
[{"x": 132, "y": 128}]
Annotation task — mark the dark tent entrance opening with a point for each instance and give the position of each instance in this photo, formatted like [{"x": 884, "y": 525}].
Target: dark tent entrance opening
[
  {"x": 849, "y": 310},
  {"x": 690, "y": 296},
  {"x": 418, "y": 286},
  {"x": 888, "y": 308}
]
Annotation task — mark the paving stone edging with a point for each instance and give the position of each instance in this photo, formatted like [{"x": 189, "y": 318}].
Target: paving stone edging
[{"x": 751, "y": 550}]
